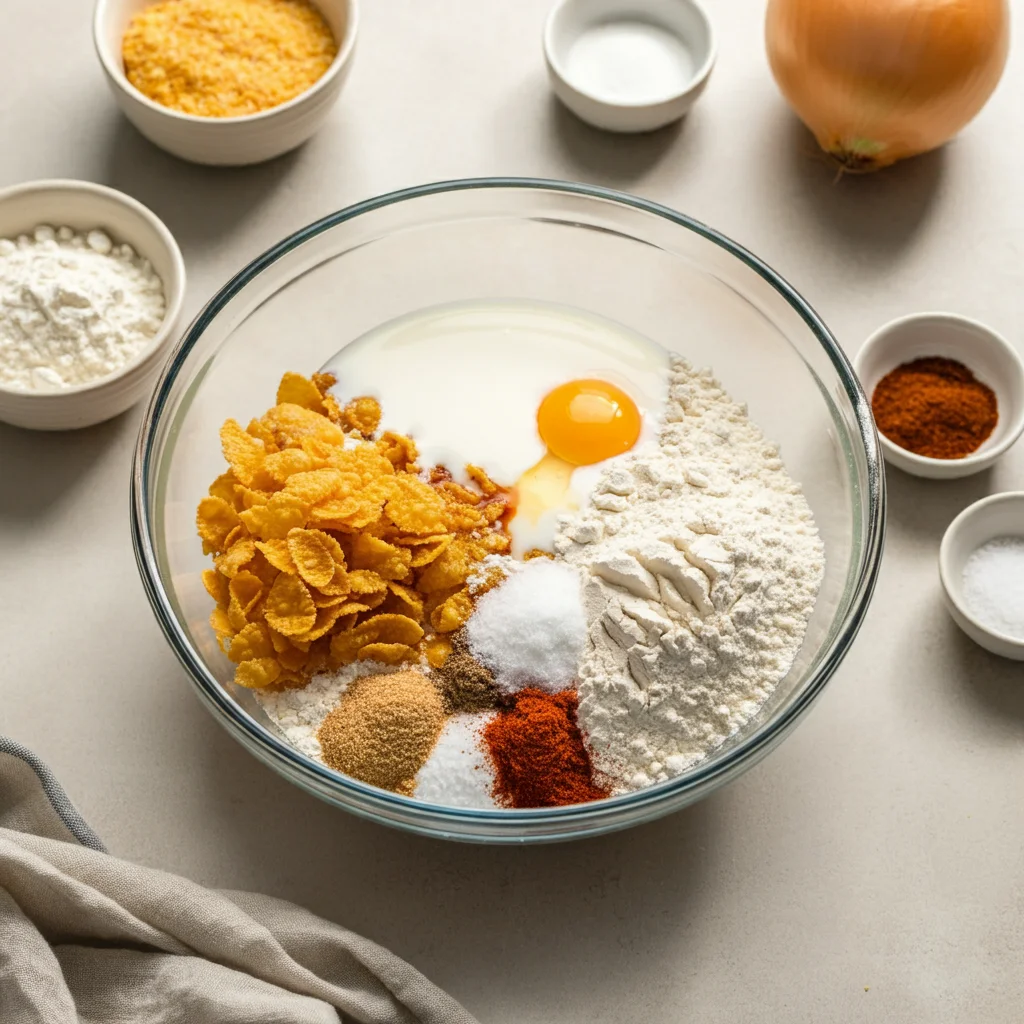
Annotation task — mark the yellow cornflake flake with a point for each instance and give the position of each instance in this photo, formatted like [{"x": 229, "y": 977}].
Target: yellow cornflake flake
[
  {"x": 216, "y": 586},
  {"x": 406, "y": 601},
  {"x": 260, "y": 432},
  {"x": 399, "y": 450},
  {"x": 275, "y": 520},
  {"x": 415, "y": 507},
  {"x": 388, "y": 654},
  {"x": 449, "y": 569},
  {"x": 387, "y": 629},
  {"x": 243, "y": 452},
  {"x": 316, "y": 554},
  {"x": 252, "y": 641},
  {"x": 437, "y": 651},
  {"x": 245, "y": 591},
  {"x": 388, "y": 561},
  {"x": 453, "y": 613},
  {"x": 238, "y": 555},
  {"x": 277, "y": 554},
  {"x": 284, "y": 464},
  {"x": 290, "y": 609},
  {"x": 291, "y": 423},
  {"x": 215, "y": 521},
  {"x": 362, "y": 415},
  {"x": 224, "y": 487},
  {"x": 257, "y": 673},
  {"x": 295, "y": 389}
]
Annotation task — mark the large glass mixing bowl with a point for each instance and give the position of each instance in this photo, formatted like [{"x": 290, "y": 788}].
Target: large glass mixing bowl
[{"x": 660, "y": 273}]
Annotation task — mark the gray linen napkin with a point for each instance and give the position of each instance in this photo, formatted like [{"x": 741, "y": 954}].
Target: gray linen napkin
[{"x": 86, "y": 938}]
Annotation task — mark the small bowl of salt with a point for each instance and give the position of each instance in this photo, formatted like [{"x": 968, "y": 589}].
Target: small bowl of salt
[
  {"x": 981, "y": 565},
  {"x": 629, "y": 65},
  {"x": 91, "y": 290}
]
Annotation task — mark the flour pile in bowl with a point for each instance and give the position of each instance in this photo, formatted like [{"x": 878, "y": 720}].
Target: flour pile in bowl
[
  {"x": 592, "y": 609},
  {"x": 702, "y": 564}
]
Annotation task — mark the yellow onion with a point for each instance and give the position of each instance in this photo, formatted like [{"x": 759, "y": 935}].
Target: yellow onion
[{"x": 880, "y": 80}]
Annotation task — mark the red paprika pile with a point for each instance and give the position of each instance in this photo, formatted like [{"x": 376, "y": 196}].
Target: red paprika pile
[
  {"x": 935, "y": 407},
  {"x": 538, "y": 755}
]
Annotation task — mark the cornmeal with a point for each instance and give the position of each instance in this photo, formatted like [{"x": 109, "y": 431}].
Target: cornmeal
[{"x": 227, "y": 58}]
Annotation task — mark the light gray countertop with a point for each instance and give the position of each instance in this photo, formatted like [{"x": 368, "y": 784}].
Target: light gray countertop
[{"x": 871, "y": 870}]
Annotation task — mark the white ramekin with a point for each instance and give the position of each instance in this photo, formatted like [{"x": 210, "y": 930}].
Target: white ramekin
[
  {"x": 999, "y": 515},
  {"x": 83, "y": 206},
  {"x": 225, "y": 141},
  {"x": 991, "y": 358},
  {"x": 687, "y": 20}
]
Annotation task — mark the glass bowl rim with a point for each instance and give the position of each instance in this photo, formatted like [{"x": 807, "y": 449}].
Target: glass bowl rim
[{"x": 281, "y": 755}]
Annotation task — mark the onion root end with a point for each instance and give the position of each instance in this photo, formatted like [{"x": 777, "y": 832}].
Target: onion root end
[{"x": 857, "y": 155}]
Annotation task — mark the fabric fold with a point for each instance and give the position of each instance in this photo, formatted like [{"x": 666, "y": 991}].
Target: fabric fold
[{"x": 86, "y": 938}]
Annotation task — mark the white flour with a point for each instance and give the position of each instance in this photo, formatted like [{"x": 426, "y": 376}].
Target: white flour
[
  {"x": 704, "y": 566},
  {"x": 73, "y": 308}
]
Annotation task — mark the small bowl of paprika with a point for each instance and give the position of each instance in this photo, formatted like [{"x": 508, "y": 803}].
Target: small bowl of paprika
[{"x": 947, "y": 394}]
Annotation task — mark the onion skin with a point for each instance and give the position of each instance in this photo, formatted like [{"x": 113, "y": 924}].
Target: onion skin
[{"x": 880, "y": 80}]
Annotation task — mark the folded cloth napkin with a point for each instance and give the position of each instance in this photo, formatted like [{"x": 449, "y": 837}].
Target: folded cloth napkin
[{"x": 90, "y": 939}]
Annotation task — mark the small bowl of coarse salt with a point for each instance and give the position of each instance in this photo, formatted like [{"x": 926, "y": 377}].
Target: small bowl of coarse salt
[
  {"x": 629, "y": 65},
  {"x": 981, "y": 565},
  {"x": 91, "y": 290}
]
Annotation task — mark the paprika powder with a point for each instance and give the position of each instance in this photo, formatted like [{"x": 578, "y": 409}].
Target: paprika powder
[
  {"x": 537, "y": 751},
  {"x": 935, "y": 407}
]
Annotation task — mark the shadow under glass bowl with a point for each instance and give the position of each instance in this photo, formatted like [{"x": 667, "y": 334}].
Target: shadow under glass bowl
[{"x": 645, "y": 266}]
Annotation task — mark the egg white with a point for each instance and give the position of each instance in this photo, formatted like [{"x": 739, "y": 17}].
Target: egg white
[{"x": 465, "y": 381}]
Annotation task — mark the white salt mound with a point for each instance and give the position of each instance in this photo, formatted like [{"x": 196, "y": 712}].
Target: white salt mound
[
  {"x": 458, "y": 772},
  {"x": 994, "y": 585},
  {"x": 530, "y": 630}
]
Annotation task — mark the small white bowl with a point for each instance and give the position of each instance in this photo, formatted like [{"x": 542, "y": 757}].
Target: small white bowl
[
  {"x": 991, "y": 358},
  {"x": 629, "y": 65},
  {"x": 225, "y": 141},
  {"x": 1001, "y": 515},
  {"x": 83, "y": 205}
]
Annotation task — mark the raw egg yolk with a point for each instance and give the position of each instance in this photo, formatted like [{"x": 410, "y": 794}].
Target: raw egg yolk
[{"x": 588, "y": 421}]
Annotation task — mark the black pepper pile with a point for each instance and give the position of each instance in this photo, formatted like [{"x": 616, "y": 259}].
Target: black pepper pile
[{"x": 465, "y": 685}]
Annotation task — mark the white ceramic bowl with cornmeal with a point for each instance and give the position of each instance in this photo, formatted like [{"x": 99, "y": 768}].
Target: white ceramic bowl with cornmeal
[{"x": 225, "y": 141}]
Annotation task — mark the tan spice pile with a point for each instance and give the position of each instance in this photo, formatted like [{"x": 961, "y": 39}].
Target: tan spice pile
[
  {"x": 226, "y": 58},
  {"x": 464, "y": 683},
  {"x": 383, "y": 729}
]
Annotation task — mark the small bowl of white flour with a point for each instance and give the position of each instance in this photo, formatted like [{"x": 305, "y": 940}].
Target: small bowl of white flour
[{"x": 91, "y": 290}]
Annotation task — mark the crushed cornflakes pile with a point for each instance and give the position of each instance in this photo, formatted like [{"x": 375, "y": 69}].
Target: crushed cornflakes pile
[{"x": 330, "y": 545}]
